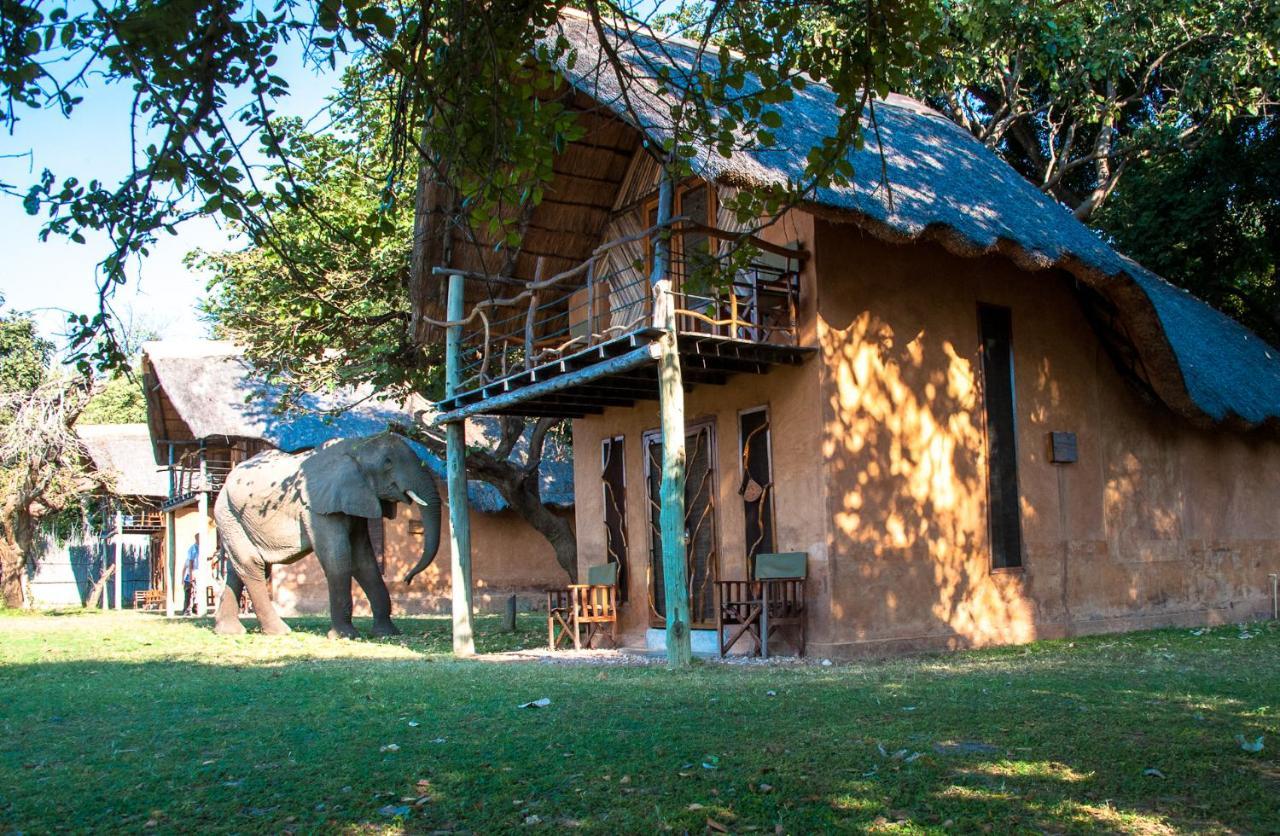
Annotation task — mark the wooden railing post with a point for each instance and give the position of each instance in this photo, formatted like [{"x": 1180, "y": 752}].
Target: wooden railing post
[
  {"x": 671, "y": 408},
  {"x": 456, "y": 471}
]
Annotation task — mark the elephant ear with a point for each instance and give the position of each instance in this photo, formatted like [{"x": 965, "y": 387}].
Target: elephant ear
[{"x": 336, "y": 485}]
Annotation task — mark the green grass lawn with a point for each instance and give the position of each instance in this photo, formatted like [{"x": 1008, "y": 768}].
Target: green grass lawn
[{"x": 129, "y": 722}]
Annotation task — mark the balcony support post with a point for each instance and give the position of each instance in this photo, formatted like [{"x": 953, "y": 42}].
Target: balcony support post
[
  {"x": 456, "y": 472},
  {"x": 671, "y": 409},
  {"x": 118, "y": 542},
  {"x": 198, "y": 576},
  {"x": 171, "y": 546}
]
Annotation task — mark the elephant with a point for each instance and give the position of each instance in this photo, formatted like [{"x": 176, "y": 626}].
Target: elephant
[{"x": 277, "y": 507}]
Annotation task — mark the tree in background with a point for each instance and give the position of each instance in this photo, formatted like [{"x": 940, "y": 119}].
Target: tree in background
[
  {"x": 1073, "y": 95},
  {"x": 43, "y": 466},
  {"x": 348, "y": 325},
  {"x": 1208, "y": 219}
]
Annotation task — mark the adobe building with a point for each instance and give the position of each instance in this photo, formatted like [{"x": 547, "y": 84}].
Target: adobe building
[
  {"x": 207, "y": 412},
  {"x": 980, "y": 423}
]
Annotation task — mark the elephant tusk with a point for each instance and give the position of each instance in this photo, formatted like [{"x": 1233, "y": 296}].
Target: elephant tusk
[{"x": 416, "y": 498}]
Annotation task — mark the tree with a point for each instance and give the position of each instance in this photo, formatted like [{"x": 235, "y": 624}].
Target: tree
[
  {"x": 43, "y": 466},
  {"x": 1075, "y": 94},
  {"x": 1208, "y": 219},
  {"x": 342, "y": 320},
  {"x": 118, "y": 400}
]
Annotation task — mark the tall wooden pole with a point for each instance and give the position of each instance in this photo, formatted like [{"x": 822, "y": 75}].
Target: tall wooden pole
[
  {"x": 119, "y": 544},
  {"x": 170, "y": 545},
  {"x": 464, "y": 643},
  {"x": 675, "y": 582},
  {"x": 197, "y": 577}
]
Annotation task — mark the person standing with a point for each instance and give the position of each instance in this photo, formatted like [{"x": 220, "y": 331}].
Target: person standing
[{"x": 189, "y": 570}]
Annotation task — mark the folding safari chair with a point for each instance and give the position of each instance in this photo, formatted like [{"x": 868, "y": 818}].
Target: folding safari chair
[
  {"x": 773, "y": 600},
  {"x": 582, "y": 610}
]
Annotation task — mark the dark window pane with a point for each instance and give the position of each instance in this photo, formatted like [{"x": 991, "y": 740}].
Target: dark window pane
[
  {"x": 996, "y": 327},
  {"x": 613, "y": 477},
  {"x": 756, "y": 488}
]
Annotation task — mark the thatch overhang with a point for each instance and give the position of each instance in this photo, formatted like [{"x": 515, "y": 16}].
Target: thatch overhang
[
  {"x": 122, "y": 452},
  {"x": 205, "y": 390},
  {"x": 945, "y": 186}
]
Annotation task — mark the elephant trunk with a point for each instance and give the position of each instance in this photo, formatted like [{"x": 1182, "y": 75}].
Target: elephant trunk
[{"x": 430, "y": 529}]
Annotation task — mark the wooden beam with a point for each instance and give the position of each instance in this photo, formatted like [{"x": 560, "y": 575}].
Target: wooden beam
[
  {"x": 671, "y": 409},
  {"x": 504, "y": 400},
  {"x": 456, "y": 470}
]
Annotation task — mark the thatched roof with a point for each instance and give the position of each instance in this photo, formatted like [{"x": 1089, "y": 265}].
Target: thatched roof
[
  {"x": 947, "y": 187},
  {"x": 123, "y": 453},
  {"x": 205, "y": 389}
]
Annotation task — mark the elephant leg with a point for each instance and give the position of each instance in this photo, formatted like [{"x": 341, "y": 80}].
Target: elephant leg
[
  {"x": 252, "y": 571},
  {"x": 332, "y": 545},
  {"x": 227, "y": 619},
  {"x": 248, "y": 566},
  {"x": 365, "y": 567},
  {"x": 260, "y": 594}
]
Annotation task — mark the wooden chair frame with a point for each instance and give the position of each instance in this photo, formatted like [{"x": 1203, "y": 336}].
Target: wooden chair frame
[
  {"x": 580, "y": 612},
  {"x": 758, "y": 609}
]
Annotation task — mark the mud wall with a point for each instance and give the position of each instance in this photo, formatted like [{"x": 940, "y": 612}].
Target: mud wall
[{"x": 1157, "y": 523}]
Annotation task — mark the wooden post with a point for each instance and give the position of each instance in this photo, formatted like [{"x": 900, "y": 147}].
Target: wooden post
[
  {"x": 464, "y": 643},
  {"x": 509, "y": 616},
  {"x": 170, "y": 546},
  {"x": 197, "y": 577},
  {"x": 671, "y": 408},
  {"x": 119, "y": 584}
]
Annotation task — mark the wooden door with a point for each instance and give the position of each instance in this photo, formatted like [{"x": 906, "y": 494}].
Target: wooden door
[{"x": 701, "y": 554}]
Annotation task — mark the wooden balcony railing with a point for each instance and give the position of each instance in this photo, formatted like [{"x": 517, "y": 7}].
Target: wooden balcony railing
[
  {"x": 188, "y": 481},
  {"x": 758, "y": 305}
]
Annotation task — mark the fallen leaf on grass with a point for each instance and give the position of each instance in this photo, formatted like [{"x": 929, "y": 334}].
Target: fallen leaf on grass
[
  {"x": 541, "y": 703},
  {"x": 390, "y": 747},
  {"x": 413, "y": 724},
  {"x": 1152, "y": 772},
  {"x": 696, "y": 806},
  {"x": 712, "y": 824}
]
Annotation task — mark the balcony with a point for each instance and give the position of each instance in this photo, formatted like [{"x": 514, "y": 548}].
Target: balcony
[
  {"x": 187, "y": 481},
  {"x": 575, "y": 352}
]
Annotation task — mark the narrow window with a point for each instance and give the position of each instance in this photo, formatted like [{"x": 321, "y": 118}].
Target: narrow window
[
  {"x": 756, "y": 487},
  {"x": 614, "y": 479},
  {"x": 1002, "y": 451}
]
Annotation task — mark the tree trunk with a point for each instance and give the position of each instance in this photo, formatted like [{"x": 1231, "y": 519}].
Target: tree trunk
[
  {"x": 99, "y": 588},
  {"x": 526, "y": 500},
  {"x": 12, "y": 567}
]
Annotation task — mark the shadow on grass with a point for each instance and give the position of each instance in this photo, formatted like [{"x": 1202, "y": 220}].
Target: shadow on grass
[{"x": 1054, "y": 740}]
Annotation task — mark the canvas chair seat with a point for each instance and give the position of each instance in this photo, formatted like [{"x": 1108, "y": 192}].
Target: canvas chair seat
[
  {"x": 771, "y": 601},
  {"x": 581, "y": 611}
]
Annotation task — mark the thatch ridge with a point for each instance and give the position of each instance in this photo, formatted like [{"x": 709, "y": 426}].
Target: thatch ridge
[{"x": 947, "y": 187}]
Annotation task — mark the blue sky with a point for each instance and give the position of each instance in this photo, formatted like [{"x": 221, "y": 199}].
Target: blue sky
[{"x": 55, "y": 277}]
